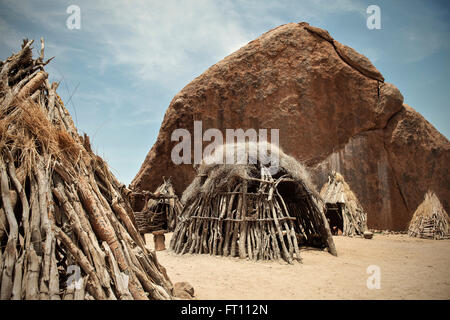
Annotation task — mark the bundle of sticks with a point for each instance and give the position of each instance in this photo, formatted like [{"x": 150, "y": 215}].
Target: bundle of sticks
[{"x": 67, "y": 230}]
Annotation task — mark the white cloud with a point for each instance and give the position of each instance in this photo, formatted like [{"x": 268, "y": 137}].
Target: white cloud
[
  {"x": 168, "y": 40},
  {"x": 161, "y": 38}
]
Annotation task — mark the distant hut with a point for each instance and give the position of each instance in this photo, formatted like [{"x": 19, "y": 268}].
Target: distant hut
[
  {"x": 343, "y": 210},
  {"x": 248, "y": 210},
  {"x": 430, "y": 220},
  {"x": 161, "y": 209}
]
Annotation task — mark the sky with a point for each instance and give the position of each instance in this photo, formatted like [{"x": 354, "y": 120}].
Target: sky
[{"x": 119, "y": 71}]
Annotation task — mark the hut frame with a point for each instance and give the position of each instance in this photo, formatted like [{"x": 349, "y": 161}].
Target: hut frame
[
  {"x": 430, "y": 220},
  {"x": 244, "y": 210}
]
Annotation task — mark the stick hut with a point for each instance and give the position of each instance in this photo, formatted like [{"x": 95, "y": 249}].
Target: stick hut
[
  {"x": 430, "y": 220},
  {"x": 245, "y": 210},
  {"x": 161, "y": 210},
  {"x": 343, "y": 210},
  {"x": 66, "y": 227}
]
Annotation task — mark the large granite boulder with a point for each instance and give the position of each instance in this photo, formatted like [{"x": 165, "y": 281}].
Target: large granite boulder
[{"x": 334, "y": 112}]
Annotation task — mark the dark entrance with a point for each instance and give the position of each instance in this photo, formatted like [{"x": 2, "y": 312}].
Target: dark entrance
[{"x": 334, "y": 217}]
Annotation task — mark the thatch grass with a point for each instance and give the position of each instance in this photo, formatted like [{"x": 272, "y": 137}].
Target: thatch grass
[
  {"x": 430, "y": 220},
  {"x": 37, "y": 134}
]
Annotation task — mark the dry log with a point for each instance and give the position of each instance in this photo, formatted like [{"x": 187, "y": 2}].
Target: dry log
[{"x": 10, "y": 254}]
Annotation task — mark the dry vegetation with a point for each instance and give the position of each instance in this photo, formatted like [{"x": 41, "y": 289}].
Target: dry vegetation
[{"x": 60, "y": 204}]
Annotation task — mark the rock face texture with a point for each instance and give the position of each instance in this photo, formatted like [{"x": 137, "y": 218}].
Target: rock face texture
[{"x": 334, "y": 112}]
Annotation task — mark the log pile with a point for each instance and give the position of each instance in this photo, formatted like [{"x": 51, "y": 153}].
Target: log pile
[
  {"x": 161, "y": 210},
  {"x": 244, "y": 210},
  {"x": 338, "y": 197},
  {"x": 66, "y": 226},
  {"x": 430, "y": 220}
]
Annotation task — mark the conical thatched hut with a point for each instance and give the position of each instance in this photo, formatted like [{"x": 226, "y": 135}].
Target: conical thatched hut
[
  {"x": 161, "y": 210},
  {"x": 245, "y": 210},
  {"x": 66, "y": 228},
  {"x": 430, "y": 220},
  {"x": 344, "y": 213}
]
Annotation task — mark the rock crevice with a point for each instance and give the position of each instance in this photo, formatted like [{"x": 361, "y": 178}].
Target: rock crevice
[{"x": 348, "y": 55}]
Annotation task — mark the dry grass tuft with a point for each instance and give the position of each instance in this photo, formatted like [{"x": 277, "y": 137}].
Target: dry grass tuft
[
  {"x": 67, "y": 144},
  {"x": 36, "y": 133}
]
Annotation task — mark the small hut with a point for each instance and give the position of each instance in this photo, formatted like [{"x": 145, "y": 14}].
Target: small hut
[
  {"x": 430, "y": 221},
  {"x": 253, "y": 209},
  {"x": 161, "y": 209},
  {"x": 344, "y": 213}
]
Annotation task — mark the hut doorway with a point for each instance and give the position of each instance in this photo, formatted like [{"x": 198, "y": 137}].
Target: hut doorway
[
  {"x": 296, "y": 199},
  {"x": 345, "y": 214},
  {"x": 334, "y": 217}
]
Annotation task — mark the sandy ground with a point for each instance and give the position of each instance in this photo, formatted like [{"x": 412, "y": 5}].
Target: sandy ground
[{"x": 409, "y": 268}]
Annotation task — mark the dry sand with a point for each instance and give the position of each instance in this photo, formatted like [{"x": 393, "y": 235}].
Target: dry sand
[{"x": 410, "y": 269}]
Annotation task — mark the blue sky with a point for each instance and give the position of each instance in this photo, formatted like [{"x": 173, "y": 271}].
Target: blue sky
[{"x": 119, "y": 72}]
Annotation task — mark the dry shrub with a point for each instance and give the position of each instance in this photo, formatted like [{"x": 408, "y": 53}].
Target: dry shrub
[
  {"x": 34, "y": 120},
  {"x": 38, "y": 132}
]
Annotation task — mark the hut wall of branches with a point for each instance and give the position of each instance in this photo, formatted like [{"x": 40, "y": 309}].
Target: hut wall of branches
[
  {"x": 61, "y": 209},
  {"x": 430, "y": 220},
  {"x": 245, "y": 210},
  {"x": 161, "y": 210},
  {"x": 343, "y": 208}
]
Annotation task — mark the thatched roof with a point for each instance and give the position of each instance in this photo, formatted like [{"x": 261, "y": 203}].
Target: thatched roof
[
  {"x": 430, "y": 220},
  {"x": 214, "y": 176},
  {"x": 337, "y": 191}
]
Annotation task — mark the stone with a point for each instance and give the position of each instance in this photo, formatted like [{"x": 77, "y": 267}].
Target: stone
[
  {"x": 183, "y": 290},
  {"x": 333, "y": 111},
  {"x": 368, "y": 235}
]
